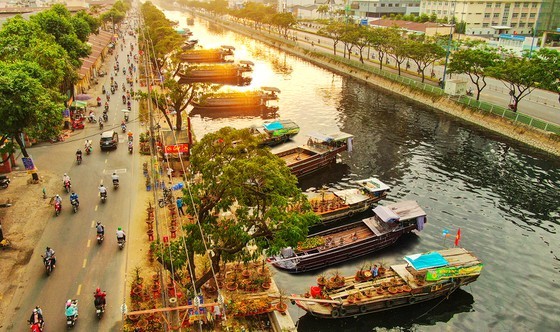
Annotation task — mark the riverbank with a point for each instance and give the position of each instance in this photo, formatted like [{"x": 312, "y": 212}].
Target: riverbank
[{"x": 535, "y": 138}]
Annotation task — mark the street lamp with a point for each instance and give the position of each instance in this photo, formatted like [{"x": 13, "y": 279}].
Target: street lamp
[{"x": 451, "y": 28}]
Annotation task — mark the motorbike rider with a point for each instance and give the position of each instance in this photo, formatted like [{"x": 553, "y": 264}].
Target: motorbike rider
[
  {"x": 100, "y": 229},
  {"x": 102, "y": 190},
  {"x": 115, "y": 177},
  {"x": 65, "y": 178},
  {"x": 123, "y": 125},
  {"x": 79, "y": 154},
  {"x": 74, "y": 197},
  {"x": 130, "y": 136},
  {"x": 121, "y": 235},
  {"x": 87, "y": 145},
  {"x": 58, "y": 200},
  {"x": 91, "y": 116},
  {"x": 99, "y": 297},
  {"x": 49, "y": 254},
  {"x": 71, "y": 308},
  {"x": 37, "y": 318}
]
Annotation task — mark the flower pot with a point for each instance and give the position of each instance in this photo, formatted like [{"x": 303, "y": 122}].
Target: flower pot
[
  {"x": 266, "y": 285},
  {"x": 231, "y": 286},
  {"x": 281, "y": 307}
]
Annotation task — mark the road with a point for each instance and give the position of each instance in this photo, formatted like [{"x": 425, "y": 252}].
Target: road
[
  {"x": 539, "y": 104},
  {"x": 82, "y": 264}
]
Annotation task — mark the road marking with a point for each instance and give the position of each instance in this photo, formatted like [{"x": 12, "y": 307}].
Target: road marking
[
  {"x": 88, "y": 243},
  {"x": 92, "y": 223},
  {"x": 79, "y": 289},
  {"x": 95, "y": 208},
  {"x": 85, "y": 262},
  {"x": 106, "y": 159},
  {"x": 101, "y": 182}
]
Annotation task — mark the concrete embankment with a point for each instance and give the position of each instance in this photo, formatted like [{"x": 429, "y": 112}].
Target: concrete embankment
[{"x": 547, "y": 142}]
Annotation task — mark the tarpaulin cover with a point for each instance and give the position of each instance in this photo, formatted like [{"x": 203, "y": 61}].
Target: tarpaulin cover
[
  {"x": 273, "y": 126},
  {"x": 426, "y": 261}
]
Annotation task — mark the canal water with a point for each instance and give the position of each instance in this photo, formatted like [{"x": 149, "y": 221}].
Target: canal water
[{"x": 503, "y": 195}]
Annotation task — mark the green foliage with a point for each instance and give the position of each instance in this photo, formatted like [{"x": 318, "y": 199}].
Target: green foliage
[{"x": 475, "y": 62}]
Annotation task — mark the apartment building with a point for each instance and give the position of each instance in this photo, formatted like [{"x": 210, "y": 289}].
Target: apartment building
[
  {"x": 381, "y": 8},
  {"x": 491, "y": 17}
]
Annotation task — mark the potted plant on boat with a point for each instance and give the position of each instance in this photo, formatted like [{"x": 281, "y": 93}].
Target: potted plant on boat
[
  {"x": 281, "y": 306},
  {"x": 322, "y": 281}
]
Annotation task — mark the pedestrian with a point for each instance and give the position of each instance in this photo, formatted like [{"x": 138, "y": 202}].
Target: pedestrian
[
  {"x": 180, "y": 206},
  {"x": 169, "y": 173}
]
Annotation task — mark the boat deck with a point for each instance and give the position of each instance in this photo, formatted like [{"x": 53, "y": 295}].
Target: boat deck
[
  {"x": 297, "y": 156},
  {"x": 347, "y": 236}
]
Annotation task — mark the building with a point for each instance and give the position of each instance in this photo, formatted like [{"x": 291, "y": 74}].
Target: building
[
  {"x": 491, "y": 17},
  {"x": 381, "y": 8},
  {"x": 549, "y": 17},
  {"x": 428, "y": 28}
]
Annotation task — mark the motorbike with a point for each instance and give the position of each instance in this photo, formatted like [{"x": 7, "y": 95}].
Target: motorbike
[
  {"x": 67, "y": 186},
  {"x": 57, "y": 208},
  {"x": 167, "y": 198},
  {"x": 75, "y": 205},
  {"x": 99, "y": 308},
  {"x": 105, "y": 117},
  {"x": 79, "y": 158},
  {"x": 4, "y": 181},
  {"x": 91, "y": 119},
  {"x": 49, "y": 266},
  {"x": 103, "y": 197},
  {"x": 126, "y": 117},
  {"x": 128, "y": 107},
  {"x": 121, "y": 243},
  {"x": 124, "y": 100},
  {"x": 103, "y": 91},
  {"x": 112, "y": 90},
  {"x": 88, "y": 149},
  {"x": 470, "y": 92},
  {"x": 115, "y": 184},
  {"x": 130, "y": 148},
  {"x": 123, "y": 128},
  {"x": 71, "y": 314},
  {"x": 100, "y": 125},
  {"x": 36, "y": 327},
  {"x": 78, "y": 124},
  {"x": 100, "y": 238}
]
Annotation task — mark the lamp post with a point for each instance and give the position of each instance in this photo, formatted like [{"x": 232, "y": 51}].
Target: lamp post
[{"x": 451, "y": 28}]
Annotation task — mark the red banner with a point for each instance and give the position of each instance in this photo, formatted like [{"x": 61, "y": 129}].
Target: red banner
[{"x": 183, "y": 148}]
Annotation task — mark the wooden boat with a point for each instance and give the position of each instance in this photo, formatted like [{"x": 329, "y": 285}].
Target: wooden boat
[
  {"x": 256, "y": 99},
  {"x": 217, "y": 73},
  {"x": 424, "y": 277},
  {"x": 276, "y": 132},
  {"x": 189, "y": 44},
  {"x": 320, "y": 151},
  {"x": 334, "y": 205},
  {"x": 222, "y": 54},
  {"x": 190, "y": 20},
  {"x": 356, "y": 239}
]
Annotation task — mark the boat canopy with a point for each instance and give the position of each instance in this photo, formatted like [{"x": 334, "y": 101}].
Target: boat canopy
[
  {"x": 227, "y": 47},
  {"x": 246, "y": 62},
  {"x": 336, "y": 137},
  {"x": 373, "y": 185},
  {"x": 280, "y": 124},
  {"x": 426, "y": 261},
  {"x": 268, "y": 88},
  {"x": 386, "y": 214}
]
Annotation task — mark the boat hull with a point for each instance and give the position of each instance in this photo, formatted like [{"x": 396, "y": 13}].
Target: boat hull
[
  {"x": 390, "y": 303},
  {"x": 303, "y": 161}
]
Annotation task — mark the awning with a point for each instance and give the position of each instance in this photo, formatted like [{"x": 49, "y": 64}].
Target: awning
[
  {"x": 500, "y": 27},
  {"x": 386, "y": 214},
  {"x": 426, "y": 261},
  {"x": 78, "y": 103}
]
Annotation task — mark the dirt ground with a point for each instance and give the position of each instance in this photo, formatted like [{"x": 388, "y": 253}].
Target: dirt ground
[{"x": 22, "y": 224}]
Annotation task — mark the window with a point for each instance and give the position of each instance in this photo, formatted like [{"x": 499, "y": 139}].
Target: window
[
  {"x": 525, "y": 5},
  {"x": 498, "y": 5},
  {"x": 390, "y": 5},
  {"x": 496, "y": 15},
  {"x": 523, "y": 15},
  {"x": 530, "y": 25},
  {"x": 534, "y": 5},
  {"x": 517, "y": 5},
  {"x": 488, "y": 5},
  {"x": 485, "y": 25},
  {"x": 487, "y": 15},
  {"x": 532, "y": 15},
  {"x": 382, "y": 5},
  {"x": 521, "y": 25},
  {"x": 515, "y": 15}
]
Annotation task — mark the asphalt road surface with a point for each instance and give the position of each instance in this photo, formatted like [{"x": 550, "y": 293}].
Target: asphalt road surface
[{"x": 82, "y": 264}]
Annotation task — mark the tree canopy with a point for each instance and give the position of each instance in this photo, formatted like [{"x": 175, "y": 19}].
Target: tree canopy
[{"x": 243, "y": 197}]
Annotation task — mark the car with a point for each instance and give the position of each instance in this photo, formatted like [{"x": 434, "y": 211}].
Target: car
[{"x": 109, "y": 140}]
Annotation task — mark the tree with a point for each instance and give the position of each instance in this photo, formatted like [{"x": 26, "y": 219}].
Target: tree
[
  {"x": 283, "y": 22},
  {"x": 26, "y": 106},
  {"x": 424, "y": 53},
  {"x": 255, "y": 187},
  {"x": 549, "y": 60},
  {"x": 379, "y": 40},
  {"x": 334, "y": 31},
  {"x": 323, "y": 9},
  {"x": 398, "y": 47},
  {"x": 475, "y": 62},
  {"x": 521, "y": 75}
]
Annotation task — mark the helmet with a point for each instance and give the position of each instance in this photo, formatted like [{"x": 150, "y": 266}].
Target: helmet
[
  {"x": 101, "y": 185},
  {"x": 73, "y": 193},
  {"x": 48, "y": 248},
  {"x": 114, "y": 173},
  {"x": 68, "y": 303},
  {"x": 98, "y": 290},
  {"x": 98, "y": 223},
  {"x": 35, "y": 310},
  {"x": 120, "y": 229},
  {"x": 57, "y": 195},
  {"x": 65, "y": 174}
]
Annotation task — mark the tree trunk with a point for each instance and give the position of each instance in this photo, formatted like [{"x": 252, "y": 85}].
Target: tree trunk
[
  {"x": 178, "y": 120},
  {"x": 210, "y": 273},
  {"x": 25, "y": 154}
]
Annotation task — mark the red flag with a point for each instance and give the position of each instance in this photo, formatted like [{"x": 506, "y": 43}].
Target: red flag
[{"x": 458, "y": 237}]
